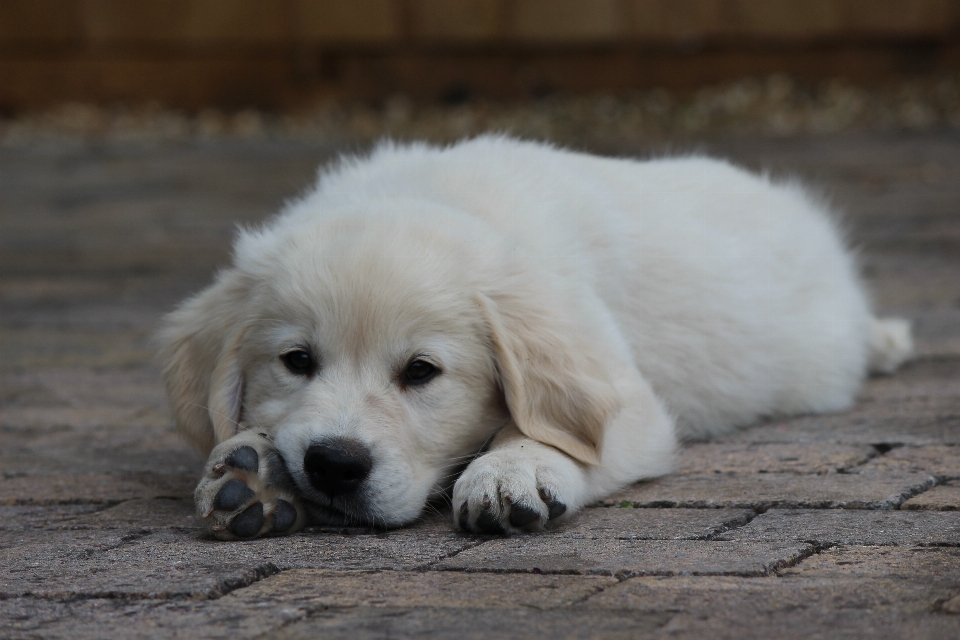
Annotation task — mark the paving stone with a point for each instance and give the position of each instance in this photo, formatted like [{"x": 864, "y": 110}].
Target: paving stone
[
  {"x": 83, "y": 387},
  {"x": 90, "y": 459},
  {"x": 279, "y": 599},
  {"x": 550, "y": 554},
  {"x": 939, "y": 461},
  {"x": 710, "y": 595},
  {"x": 851, "y": 527},
  {"x": 918, "y": 380},
  {"x": 311, "y": 589},
  {"x": 93, "y": 488},
  {"x": 143, "y": 514},
  {"x": 920, "y": 421},
  {"x": 140, "y": 619},
  {"x": 937, "y": 332},
  {"x": 174, "y": 563},
  {"x": 933, "y": 565},
  {"x": 628, "y": 523},
  {"x": 29, "y": 348},
  {"x": 951, "y": 606},
  {"x": 27, "y": 518},
  {"x": 764, "y": 491},
  {"x": 362, "y": 623},
  {"x": 803, "y": 623},
  {"x": 920, "y": 405},
  {"x": 815, "y": 458},
  {"x": 940, "y": 498},
  {"x": 132, "y": 515}
]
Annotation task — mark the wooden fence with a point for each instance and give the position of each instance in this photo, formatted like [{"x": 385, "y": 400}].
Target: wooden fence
[{"x": 278, "y": 53}]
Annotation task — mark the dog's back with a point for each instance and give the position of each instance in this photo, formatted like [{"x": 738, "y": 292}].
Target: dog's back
[{"x": 734, "y": 293}]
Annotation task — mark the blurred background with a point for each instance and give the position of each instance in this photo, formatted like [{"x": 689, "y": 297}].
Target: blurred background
[
  {"x": 564, "y": 69},
  {"x": 136, "y": 134}
]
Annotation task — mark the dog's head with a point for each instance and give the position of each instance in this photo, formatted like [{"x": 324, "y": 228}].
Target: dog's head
[{"x": 380, "y": 353}]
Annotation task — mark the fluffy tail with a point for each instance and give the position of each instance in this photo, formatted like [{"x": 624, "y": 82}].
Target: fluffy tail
[{"x": 890, "y": 344}]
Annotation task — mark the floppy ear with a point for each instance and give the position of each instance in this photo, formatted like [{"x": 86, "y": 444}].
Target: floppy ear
[
  {"x": 557, "y": 390},
  {"x": 200, "y": 343}
]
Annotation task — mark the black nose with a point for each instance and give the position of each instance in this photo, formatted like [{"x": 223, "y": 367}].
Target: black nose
[{"x": 337, "y": 467}]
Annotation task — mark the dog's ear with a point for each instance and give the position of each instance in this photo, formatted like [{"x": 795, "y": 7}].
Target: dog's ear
[
  {"x": 199, "y": 348},
  {"x": 557, "y": 391}
]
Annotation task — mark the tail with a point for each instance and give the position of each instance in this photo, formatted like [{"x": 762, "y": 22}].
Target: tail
[{"x": 890, "y": 344}]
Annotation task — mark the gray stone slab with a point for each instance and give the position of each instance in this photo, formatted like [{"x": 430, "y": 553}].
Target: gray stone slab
[
  {"x": 361, "y": 623},
  {"x": 280, "y": 599},
  {"x": 805, "y": 623},
  {"x": 942, "y": 462},
  {"x": 29, "y": 348},
  {"x": 27, "y": 518},
  {"x": 764, "y": 491},
  {"x": 934, "y": 421},
  {"x": 920, "y": 285},
  {"x": 919, "y": 405},
  {"x": 550, "y": 554},
  {"x": 940, "y": 565},
  {"x": 312, "y": 589},
  {"x": 712, "y": 595},
  {"x": 940, "y": 498},
  {"x": 93, "y": 488},
  {"x": 817, "y": 458},
  {"x": 151, "y": 514},
  {"x": 937, "y": 332},
  {"x": 138, "y": 619},
  {"x": 852, "y": 527},
  {"x": 175, "y": 563},
  {"x": 627, "y": 523}
]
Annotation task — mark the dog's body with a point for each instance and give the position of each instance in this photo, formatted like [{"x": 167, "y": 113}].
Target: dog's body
[{"x": 574, "y": 314}]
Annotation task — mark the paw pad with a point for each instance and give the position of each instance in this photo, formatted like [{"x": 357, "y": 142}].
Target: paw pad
[
  {"x": 245, "y": 458},
  {"x": 246, "y": 491},
  {"x": 284, "y": 516},
  {"x": 249, "y": 522},
  {"x": 232, "y": 496}
]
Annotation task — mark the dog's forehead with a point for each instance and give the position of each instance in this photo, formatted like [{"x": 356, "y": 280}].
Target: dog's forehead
[{"x": 369, "y": 281}]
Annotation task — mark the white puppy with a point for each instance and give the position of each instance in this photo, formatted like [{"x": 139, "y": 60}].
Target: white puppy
[{"x": 564, "y": 316}]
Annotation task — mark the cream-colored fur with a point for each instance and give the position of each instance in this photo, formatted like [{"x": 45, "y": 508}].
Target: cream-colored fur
[{"x": 583, "y": 312}]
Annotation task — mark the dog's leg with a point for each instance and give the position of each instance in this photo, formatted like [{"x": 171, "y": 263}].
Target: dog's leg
[
  {"x": 246, "y": 491},
  {"x": 524, "y": 485}
]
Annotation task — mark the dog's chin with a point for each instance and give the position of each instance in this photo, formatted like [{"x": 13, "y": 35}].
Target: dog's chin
[
  {"x": 327, "y": 516},
  {"x": 353, "y": 513}
]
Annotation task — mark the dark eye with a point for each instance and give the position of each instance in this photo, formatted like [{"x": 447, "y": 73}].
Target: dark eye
[
  {"x": 419, "y": 372},
  {"x": 298, "y": 361}
]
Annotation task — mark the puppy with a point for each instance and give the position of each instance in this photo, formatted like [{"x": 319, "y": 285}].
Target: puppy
[{"x": 544, "y": 324}]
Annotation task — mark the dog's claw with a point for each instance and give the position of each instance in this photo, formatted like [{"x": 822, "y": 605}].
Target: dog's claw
[{"x": 555, "y": 508}]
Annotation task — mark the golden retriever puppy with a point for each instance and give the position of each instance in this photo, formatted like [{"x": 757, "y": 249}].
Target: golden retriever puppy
[{"x": 549, "y": 323}]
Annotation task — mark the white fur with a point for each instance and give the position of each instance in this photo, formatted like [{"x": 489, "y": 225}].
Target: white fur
[{"x": 584, "y": 311}]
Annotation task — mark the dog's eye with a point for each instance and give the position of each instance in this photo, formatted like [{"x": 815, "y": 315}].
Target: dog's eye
[
  {"x": 419, "y": 372},
  {"x": 298, "y": 361}
]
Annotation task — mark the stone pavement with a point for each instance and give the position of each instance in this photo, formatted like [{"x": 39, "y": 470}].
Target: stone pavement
[{"x": 841, "y": 526}]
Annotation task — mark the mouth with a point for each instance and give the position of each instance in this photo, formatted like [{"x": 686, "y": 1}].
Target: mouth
[{"x": 327, "y": 514}]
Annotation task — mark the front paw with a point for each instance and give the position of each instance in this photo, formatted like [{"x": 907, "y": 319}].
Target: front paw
[
  {"x": 246, "y": 491},
  {"x": 512, "y": 491}
]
